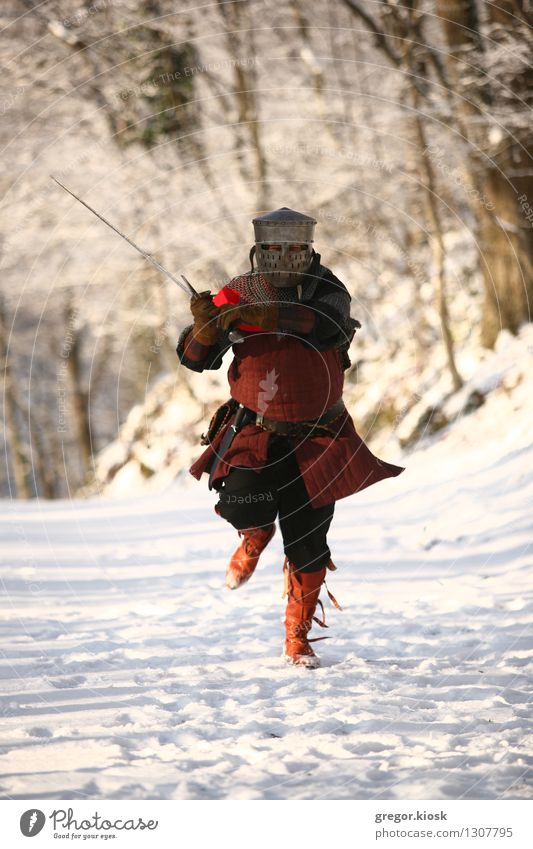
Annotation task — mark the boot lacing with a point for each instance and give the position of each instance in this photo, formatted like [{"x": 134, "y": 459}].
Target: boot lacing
[
  {"x": 304, "y": 627},
  {"x": 251, "y": 549}
]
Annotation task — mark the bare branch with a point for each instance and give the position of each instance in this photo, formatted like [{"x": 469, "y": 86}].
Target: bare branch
[{"x": 381, "y": 38}]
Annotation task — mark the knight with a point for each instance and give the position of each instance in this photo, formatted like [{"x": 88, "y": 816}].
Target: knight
[{"x": 283, "y": 448}]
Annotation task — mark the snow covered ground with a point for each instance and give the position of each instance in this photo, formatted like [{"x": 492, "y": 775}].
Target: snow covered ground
[{"x": 129, "y": 671}]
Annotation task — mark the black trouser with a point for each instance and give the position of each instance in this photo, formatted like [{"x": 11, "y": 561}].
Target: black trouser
[{"x": 250, "y": 499}]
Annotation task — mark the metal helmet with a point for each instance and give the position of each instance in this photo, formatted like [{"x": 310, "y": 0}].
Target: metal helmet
[{"x": 283, "y": 245}]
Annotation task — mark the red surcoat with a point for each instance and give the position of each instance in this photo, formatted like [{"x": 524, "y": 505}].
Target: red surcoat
[{"x": 287, "y": 380}]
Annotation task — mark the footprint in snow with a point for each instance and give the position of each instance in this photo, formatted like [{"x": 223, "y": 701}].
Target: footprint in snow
[
  {"x": 67, "y": 682},
  {"x": 120, "y": 720},
  {"x": 39, "y": 731}
]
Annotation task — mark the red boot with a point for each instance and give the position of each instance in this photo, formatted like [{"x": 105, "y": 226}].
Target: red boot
[
  {"x": 244, "y": 560},
  {"x": 302, "y": 590}
]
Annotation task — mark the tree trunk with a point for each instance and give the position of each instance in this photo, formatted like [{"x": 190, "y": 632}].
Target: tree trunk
[
  {"x": 80, "y": 399},
  {"x": 232, "y": 14},
  {"x": 502, "y": 170},
  {"x": 17, "y": 450},
  {"x": 436, "y": 240},
  {"x": 47, "y": 459}
]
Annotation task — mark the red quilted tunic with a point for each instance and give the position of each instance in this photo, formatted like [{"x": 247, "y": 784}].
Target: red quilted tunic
[
  {"x": 283, "y": 378},
  {"x": 287, "y": 380}
]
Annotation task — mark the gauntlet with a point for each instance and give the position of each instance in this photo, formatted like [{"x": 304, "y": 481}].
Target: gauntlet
[
  {"x": 259, "y": 315},
  {"x": 204, "y": 313}
]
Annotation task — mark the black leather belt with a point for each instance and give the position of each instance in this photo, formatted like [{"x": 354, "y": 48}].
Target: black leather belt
[
  {"x": 289, "y": 428},
  {"x": 245, "y": 415}
]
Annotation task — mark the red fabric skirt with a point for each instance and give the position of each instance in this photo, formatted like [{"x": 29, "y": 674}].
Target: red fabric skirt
[{"x": 331, "y": 467}]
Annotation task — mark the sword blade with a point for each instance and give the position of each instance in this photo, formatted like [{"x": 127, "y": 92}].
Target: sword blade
[
  {"x": 192, "y": 290},
  {"x": 185, "y": 287}
]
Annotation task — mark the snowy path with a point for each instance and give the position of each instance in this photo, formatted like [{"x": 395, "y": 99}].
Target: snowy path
[{"x": 130, "y": 672}]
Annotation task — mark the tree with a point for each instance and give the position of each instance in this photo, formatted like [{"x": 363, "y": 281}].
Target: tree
[
  {"x": 490, "y": 69},
  {"x": 487, "y": 80},
  {"x": 15, "y": 440}
]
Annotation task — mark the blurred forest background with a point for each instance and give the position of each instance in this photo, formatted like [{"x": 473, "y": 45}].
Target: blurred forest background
[{"x": 404, "y": 128}]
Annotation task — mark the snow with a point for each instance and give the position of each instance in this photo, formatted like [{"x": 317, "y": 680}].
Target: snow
[{"x": 129, "y": 671}]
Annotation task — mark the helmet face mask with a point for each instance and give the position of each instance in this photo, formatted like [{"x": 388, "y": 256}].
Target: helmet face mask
[{"x": 283, "y": 246}]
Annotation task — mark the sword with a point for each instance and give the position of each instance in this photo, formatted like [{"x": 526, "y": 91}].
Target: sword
[{"x": 185, "y": 286}]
